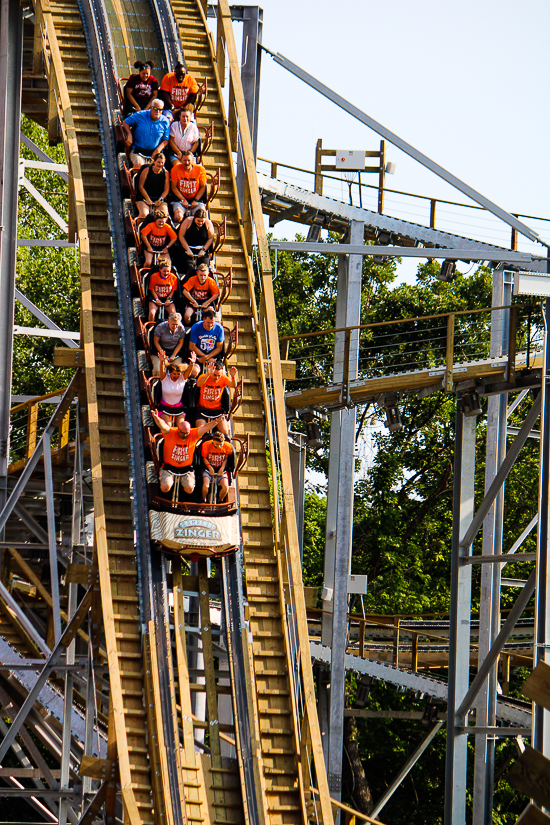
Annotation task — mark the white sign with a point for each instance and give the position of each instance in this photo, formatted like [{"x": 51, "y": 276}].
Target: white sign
[
  {"x": 179, "y": 532},
  {"x": 531, "y": 283},
  {"x": 350, "y": 159}
]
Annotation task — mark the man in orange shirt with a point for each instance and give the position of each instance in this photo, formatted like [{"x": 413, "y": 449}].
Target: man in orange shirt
[
  {"x": 178, "y": 89},
  {"x": 211, "y": 384},
  {"x": 188, "y": 182},
  {"x": 201, "y": 291},
  {"x": 179, "y": 451},
  {"x": 214, "y": 455}
]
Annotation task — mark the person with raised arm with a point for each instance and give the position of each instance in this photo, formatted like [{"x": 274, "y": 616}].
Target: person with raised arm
[
  {"x": 179, "y": 451},
  {"x": 173, "y": 379},
  {"x": 211, "y": 384}
]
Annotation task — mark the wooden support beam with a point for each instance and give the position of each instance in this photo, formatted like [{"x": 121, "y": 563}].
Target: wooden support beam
[
  {"x": 152, "y": 720},
  {"x": 537, "y": 685},
  {"x": 66, "y": 357},
  {"x": 533, "y": 816},
  {"x": 530, "y": 774},
  {"x": 32, "y": 428}
]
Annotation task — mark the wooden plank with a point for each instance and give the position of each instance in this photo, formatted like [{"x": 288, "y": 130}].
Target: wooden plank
[
  {"x": 96, "y": 767},
  {"x": 530, "y": 774},
  {"x": 288, "y": 369},
  {"x": 537, "y": 685},
  {"x": 153, "y": 743},
  {"x": 210, "y": 675},
  {"x": 66, "y": 357},
  {"x": 533, "y": 816},
  {"x": 157, "y": 709},
  {"x": 181, "y": 659},
  {"x": 85, "y": 574},
  {"x": 32, "y": 424}
]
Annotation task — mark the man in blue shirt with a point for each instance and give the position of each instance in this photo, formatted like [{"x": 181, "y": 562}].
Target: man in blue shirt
[
  {"x": 206, "y": 338},
  {"x": 151, "y": 133}
]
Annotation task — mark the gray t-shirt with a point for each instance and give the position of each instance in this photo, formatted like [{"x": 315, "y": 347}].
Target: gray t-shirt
[{"x": 169, "y": 340}]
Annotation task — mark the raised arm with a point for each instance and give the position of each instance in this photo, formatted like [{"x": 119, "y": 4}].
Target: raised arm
[
  {"x": 206, "y": 427},
  {"x": 163, "y": 426}
]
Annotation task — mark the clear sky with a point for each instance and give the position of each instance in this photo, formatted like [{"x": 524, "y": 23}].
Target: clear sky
[{"x": 466, "y": 83}]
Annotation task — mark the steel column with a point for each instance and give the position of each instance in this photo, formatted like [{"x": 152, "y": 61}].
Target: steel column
[
  {"x": 297, "y": 448},
  {"x": 489, "y": 608},
  {"x": 459, "y": 628},
  {"x": 52, "y": 536},
  {"x": 541, "y": 717},
  {"x": 250, "y": 75},
  {"x": 11, "y": 61},
  {"x": 340, "y": 503}
]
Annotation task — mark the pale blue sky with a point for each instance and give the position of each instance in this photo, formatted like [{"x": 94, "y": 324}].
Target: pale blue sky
[{"x": 465, "y": 83}]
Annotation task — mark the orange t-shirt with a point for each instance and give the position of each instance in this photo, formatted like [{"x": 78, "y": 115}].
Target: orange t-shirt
[
  {"x": 158, "y": 238},
  {"x": 211, "y": 392},
  {"x": 179, "y": 92},
  {"x": 216, "y": 454},
  {"x": 163, "y": 286},
  {"x": 177, "y": 453},
  {"x": 201, "y": 292},
  {"x": 190, "y": 182}
]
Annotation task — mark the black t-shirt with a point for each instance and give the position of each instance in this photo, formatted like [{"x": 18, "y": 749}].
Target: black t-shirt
[{"x": 140, "y": 90}]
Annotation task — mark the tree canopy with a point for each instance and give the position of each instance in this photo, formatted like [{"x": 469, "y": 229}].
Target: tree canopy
[{"x": 403, "y": 515}]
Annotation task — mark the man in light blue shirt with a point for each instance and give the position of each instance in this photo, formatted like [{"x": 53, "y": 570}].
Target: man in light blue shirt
[{"x": 151, "y": 131}]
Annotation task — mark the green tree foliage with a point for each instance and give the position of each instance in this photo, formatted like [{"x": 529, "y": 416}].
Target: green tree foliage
[
  {"x": 403, "y": 513},
  {"x": 49, "y": 277}
]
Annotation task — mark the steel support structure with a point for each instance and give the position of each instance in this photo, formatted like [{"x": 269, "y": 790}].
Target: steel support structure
[
  {"x": 459, "y": 629},
  {"x": 489, "y": 608},
  {"x": 481, "y": 693},
  {"x": 541, "y": 717},
  {"x": 340, "y": 505},
  {"x": 252, "y": 18},
  {"x": 11, "y": 63}
]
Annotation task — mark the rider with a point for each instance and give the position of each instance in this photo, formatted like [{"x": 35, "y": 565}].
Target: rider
[
  {"x": 200, "y": 290},
  {"x": 215, "y": 454},
  {"x": 206, "y": 337},
  {"x": 211, "y": 385},
  {"x": 179, "y": 451}
]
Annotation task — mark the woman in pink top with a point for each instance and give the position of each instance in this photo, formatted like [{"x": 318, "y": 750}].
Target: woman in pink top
[{"x": 173, "y": 380}]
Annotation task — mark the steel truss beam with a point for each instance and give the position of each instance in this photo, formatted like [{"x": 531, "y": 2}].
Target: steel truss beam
[
  {"x": 455, "y": 253},
  {"x": 404, "y": 146}
]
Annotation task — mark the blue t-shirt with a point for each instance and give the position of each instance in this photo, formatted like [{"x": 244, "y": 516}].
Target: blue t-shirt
[
  {"x": 148, "y": 133},
  {"x": 206, "y": 340}
]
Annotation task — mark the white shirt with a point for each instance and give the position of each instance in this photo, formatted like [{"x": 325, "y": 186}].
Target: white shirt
[
  {"x": 184, "y": 138},
  {"x": 172, "y": 390}
]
